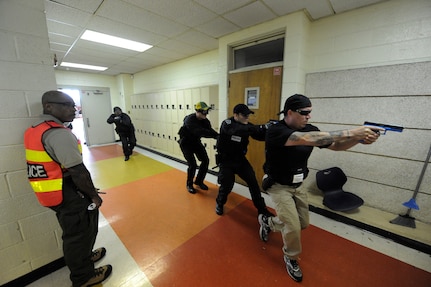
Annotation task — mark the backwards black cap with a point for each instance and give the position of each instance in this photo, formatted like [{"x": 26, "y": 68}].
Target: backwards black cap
[{"x": 295, "y": 102}]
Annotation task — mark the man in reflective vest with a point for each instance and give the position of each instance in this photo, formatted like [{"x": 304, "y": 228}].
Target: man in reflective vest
[{"x": 61, "y": 182}]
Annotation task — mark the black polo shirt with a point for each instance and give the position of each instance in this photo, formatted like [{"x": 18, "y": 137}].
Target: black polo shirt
[{"x": 283, "y": 163}]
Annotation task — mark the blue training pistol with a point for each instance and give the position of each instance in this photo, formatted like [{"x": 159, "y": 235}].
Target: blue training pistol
[{"x": 386, "y": 127}]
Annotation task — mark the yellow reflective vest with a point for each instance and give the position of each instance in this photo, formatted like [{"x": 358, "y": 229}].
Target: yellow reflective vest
[{"x": 44, "y": 173}]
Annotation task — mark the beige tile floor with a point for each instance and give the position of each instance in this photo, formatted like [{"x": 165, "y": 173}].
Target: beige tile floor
[{"x": 127, "y": 273}]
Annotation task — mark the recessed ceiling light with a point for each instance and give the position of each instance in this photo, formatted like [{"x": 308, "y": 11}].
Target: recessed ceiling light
[
  {"x": 83, "y": 66},
  {"x": 114, "y": 41}
]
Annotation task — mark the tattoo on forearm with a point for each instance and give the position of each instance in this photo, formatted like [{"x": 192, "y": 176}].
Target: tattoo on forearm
[
  {"x": 324, "y": 141},
  {"x": 336, "y": 134},
  {"x": 294, "y": 137},
  {"x": 319, "y": 138}
]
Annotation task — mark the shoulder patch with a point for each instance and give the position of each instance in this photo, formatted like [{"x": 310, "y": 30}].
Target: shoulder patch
[{"x": 228, "y": 121}]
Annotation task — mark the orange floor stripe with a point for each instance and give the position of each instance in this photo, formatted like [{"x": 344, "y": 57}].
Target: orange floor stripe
[
  {"x": 156, "y": 214},
  {"x": 91, "y": 154}
]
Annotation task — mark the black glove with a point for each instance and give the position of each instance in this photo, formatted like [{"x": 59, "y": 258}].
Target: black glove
[
  {"x": 267, "y": 182},
  {"x": 268, "y": 124},
  {"x": 252, "y": 129}
]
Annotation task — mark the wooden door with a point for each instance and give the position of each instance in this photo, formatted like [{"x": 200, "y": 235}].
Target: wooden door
[{"x": 269, "y": 81}]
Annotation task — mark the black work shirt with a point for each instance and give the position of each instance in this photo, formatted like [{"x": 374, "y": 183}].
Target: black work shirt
[
  {"x": 284, "y": 162},
  {"x": 234, "y": 139},
  {"x": 123, "y": 123},
  {"x": 194, "y": 129}
]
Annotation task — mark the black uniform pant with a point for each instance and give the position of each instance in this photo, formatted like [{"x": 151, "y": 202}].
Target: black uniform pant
[
  {"x": 80, "y": 227},
  {"x": 189, "y": 152},
  {"x": 244, "y": 170},
  {"x": 128, "y": 141}
]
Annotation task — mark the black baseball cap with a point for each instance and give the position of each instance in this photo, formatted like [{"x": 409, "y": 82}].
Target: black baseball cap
[
  {"x": 295, "y": 102},
  {"x": 242, "y": 109}
]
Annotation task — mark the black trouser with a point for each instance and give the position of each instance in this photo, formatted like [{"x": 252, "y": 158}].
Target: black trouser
[
  {"x": 244, "y": 170},
  {"x": 189, "y": 152},
  {"x": 128, "y": 141},
  {"x": 80, "y": 227}
]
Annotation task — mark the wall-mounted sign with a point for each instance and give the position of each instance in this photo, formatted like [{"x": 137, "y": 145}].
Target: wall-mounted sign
[{"x": 251, "y": 97}]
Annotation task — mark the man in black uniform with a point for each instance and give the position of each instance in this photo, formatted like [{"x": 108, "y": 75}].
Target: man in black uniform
[
  {"x": 231, "y": 148},
  {"x": 125, "y": 130},
  {"x": 288, "y": 146},
  {"x": 196, "y": 126}
]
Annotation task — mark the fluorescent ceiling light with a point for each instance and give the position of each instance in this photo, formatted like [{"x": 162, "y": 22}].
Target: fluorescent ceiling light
[
  {"x": 82, "y": 66},
  {"x": 114, "y": 41}
]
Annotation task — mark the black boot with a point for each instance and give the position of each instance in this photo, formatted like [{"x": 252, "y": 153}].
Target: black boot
[
  {"x": 219, "y": 209},
  {"x": 201, "y": 185},
  {"x": 190, "y": 188}
]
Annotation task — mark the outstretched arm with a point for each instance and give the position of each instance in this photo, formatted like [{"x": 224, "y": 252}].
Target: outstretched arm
[{"x": 335, "y": 140}]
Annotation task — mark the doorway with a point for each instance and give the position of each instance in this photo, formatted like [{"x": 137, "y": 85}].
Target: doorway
[
  {"x": 268, "y": 82},
  {"x": 93, "y": 108}
]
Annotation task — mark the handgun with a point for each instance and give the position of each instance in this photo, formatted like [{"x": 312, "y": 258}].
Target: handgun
[{"x": 386, "y": 127}]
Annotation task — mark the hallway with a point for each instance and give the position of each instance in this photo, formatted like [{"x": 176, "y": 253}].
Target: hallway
[{"x": 157, "y": 234}]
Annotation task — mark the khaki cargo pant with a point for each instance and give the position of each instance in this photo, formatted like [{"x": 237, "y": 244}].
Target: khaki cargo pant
[{"x": 291, "y": 205}]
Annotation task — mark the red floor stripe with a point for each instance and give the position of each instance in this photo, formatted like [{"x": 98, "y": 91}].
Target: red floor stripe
[{"x": 230, "y": 253}]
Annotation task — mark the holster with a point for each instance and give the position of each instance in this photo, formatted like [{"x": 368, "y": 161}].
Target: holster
[
  {"x": 267, "y": 182},
  {"x": 217, "y": 158}
]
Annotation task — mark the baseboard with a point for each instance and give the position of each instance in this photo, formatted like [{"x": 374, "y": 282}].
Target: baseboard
[
  {"x": 411, "y": 243},
  {"x": 37, "y": 274}
]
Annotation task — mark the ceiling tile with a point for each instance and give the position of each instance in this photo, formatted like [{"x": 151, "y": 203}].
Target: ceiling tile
[
  {"x": 185, "y": 12},
  {"x": 122, "y": 30},
  {"x": 176, "y": 28},
  {"x": 283, "y": 7},
  {"x": 318, "y": 9},
  {"x": 181, "y": 47},
  {"x": 134, "y": 16},
  {"x": 57, "y": 28},
  {"x": 218, "y": 27},
  {"x": 223, "y": 6},
  {"x": 199, "y": 39},
  {"x": 250, "y": 15},
  {"x": 345, "y": 5},
  {"x": 63, "y": 14},
  {"x": 159, "y": 52},
  {"x": 87, "y": 5},
  {"x": 61, "y": 39}
]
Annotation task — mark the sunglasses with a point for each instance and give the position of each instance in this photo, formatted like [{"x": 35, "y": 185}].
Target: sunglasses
[
  {"x": 64, "y": 104},
  {"x": 204, "y": 112},
  {"x": 303, "y": 112}
]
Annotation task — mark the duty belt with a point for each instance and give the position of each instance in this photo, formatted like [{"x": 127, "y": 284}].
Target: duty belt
[{"x": 294, "y": 185}]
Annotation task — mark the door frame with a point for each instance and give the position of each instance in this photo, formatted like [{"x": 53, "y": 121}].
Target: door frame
[{"x": 85, "y": 110}]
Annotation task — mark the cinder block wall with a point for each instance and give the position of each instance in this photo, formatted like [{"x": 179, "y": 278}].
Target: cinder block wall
[
  {"x": 29, "y": 234},
  {"x": 386, "y": 173}
]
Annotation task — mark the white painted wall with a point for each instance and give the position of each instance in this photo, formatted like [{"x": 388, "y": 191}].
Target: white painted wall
[
  {"x": 65, "y": 78},
  {"x": 197, "y": 71}
]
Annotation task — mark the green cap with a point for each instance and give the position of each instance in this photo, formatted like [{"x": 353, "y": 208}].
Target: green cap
[{"x": 202, "y": 106}]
